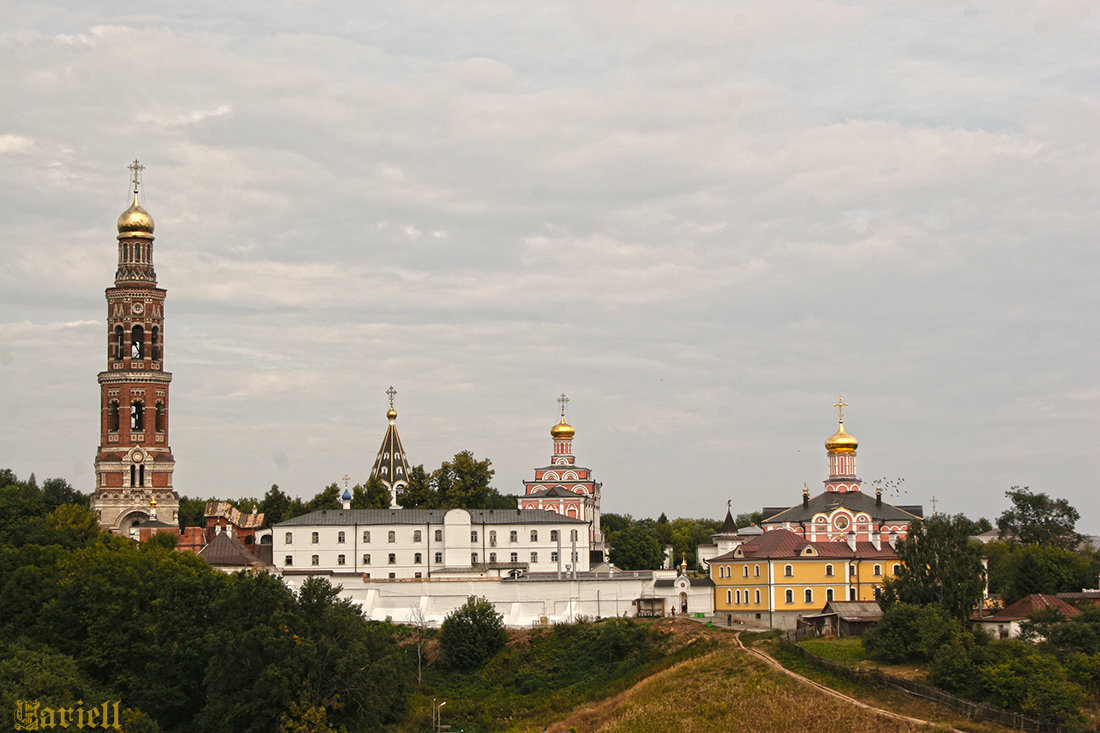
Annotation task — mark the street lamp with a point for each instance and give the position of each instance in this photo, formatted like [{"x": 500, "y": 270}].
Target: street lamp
[{"x": 437, "y": 716}]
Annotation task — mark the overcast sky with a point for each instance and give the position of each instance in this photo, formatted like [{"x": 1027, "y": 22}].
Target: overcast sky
[{"x": 702, "y": 221}]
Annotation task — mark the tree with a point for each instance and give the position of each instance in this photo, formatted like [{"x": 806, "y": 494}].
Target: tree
[
  {"x": 909, "y": 633},
  {"x": 1028, "y": 569},
  {"x": 463, "y": 482},
  {"x": 472, "y": 633},
  {"x": 939, "y": 565},
  {"x": 374, "y": 495},
  {"x": 418, "y": 493},
  {"x": 611, "y": 523},
  {"x": 636, "y": 548},
  {"x": 1038, "y": 519},
  {"x": 329, "y": 498},
  {"x": 275, "y": 506}
]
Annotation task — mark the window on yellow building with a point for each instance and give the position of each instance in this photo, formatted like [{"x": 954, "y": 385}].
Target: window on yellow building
[
  {"x": 729, "y": 597},
  {"x": 788, "y": 596},
  {"x": 896, "y": 568},
  {"x": 756, "y": 570},
  {"x": 757, "y": 595},
  {"x": 828, "y": 595},
  {"x": 829, "y": 570},
  {"x": 878, "y": 571},
  {"x": 788, "y": 572},
  {"x": 852, "y": 570},
  {"x": 745, "y": 571},
  {"x": 738, "y": 598},
  {"x": 809, "y": 595}
]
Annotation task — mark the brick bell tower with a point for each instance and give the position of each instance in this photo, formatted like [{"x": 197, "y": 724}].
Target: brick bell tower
[{"x": 134, "y": 464}]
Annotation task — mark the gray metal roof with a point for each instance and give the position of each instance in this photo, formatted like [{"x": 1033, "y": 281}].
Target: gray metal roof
[
  {"x": 855, "y": 501},
  {"x": 345, "y": 517}
]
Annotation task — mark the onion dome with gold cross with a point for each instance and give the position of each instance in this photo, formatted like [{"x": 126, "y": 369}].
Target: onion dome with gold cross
[
  {"x": 840, "y": 441},
  {"x": 562, "y": 431},
  {"x": 135, "y": 221}
]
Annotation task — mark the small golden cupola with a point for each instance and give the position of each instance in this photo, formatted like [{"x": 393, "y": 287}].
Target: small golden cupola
[
  {"x": 840, "y": 441},
  {"x": 563, "y": 430},
  {"x": 135, "y": 221}
]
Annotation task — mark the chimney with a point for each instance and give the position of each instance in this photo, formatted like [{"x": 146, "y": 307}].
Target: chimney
[
  {"x": 805, "y": 495},
  {"x": 878, "y": 496},
  {"x": 852, "y": 541},
  {"x": 876, "y": 540},
  {"x": 893, "y": 539}
]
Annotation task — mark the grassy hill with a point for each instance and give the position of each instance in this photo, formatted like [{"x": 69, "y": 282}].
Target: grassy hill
[{"x": 645, "y": 675}]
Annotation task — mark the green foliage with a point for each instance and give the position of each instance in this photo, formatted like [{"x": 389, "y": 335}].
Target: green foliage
[
  {"x": 636, "y": 548},
  {"x": 939, "y": 565},
  {"x": 192, "y": 511},
  {"x": 1038, "y": 519},
  {"x": 910, "y": 633},
  {"x": 472, "y": 633},
  {"x": 329, "y": 498},
  {"x": 615, "y": 522},
  {"x": 89, "y": 616},
  {"x": 418, "y": 493},
  {"x": 1043, "y": 569},
  {"x": 1036, "y": 685},
  {"x": 462, "y": 483},
  {"x": 275, "y": 506},
  {"x": 372, "y": 495}
]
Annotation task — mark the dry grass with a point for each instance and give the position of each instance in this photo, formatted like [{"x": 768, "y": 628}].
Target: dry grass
[{"x": 723, "y": 691}]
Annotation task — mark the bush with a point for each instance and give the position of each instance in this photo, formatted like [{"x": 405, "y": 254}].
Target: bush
[
  {"x": 909, "y": 633},
  {"x": 472, "y": 633}
]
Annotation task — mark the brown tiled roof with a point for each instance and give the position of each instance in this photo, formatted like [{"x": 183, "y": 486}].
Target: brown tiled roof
[
  {"x": 784, "y": 544},
  {"x": 1030, "y": 605},
  {"x": 233, "y": 515},
  {"x": 227, "y": 551}
]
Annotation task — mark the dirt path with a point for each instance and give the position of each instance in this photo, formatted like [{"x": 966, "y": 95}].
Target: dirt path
[{"x": 767, "y": 658}]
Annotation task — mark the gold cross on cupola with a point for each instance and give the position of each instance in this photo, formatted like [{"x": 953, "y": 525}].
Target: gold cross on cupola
[
  {"x": 392, "y": 393},
  {"x": 840, "y": 404},
  {"x": 135, "y": 169},
  {"x": 562, "y": 400}
]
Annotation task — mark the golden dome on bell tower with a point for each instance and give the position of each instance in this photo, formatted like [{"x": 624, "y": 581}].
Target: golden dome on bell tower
[{"x": 135, "y": 221}]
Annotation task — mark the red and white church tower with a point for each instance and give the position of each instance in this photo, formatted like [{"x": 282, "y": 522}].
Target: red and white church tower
[
  {"x": 566, "y": 488},
  {"x": 134, "y": 464}
]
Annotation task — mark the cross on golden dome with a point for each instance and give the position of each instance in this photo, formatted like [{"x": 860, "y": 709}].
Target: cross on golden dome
[
  {"x": 840, "y": 404},
  {"x": 391, "y": 392},
  {"x": 135, "y": 170},
  {"x": 562, "y": 400}
]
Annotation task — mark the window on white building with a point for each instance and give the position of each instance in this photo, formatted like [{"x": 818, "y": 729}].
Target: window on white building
[
  {"x": 534, "y": 557},
  {"x": 513, "y": 536},
  {"x": 554, "y": 556},
  {"x": 439, "y": 535},
  {"x": 473, "y": 535},
  {"x": 417, "y": 558},
  {"x": 534, "y": 535},
  {"x": 288, "y": 560},
  {"x": 340, "y": 560},
  {"x": 289, "y": 538},
  {"x": 473, "y": 558},
  {"x": 366, "y": 558},
  {"x": 392, "y": 559},
  {"x": 391, "y": 536},
  {"x": 366, "y": 537},
  {"x": 316, "y": 538},
  {"x": 340, "y": 538},
  {"x": 315, "y": 560},
  {"x": 514, "y": 557},
  {"x": 417, "y": 537},
  {"x": 439, "y": 558},
  {"x": 553, "y": 535},
  {"x": 492, "y": 538},
  {"x": 492, "y": 557}
]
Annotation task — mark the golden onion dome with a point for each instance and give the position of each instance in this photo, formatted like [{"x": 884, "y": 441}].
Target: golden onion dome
[
  {"x": 391, "y": 414},
  {"x": 841, "y": 442},
  {"x": 562, "y": 430},
  {"x": 135, "y": 221}
]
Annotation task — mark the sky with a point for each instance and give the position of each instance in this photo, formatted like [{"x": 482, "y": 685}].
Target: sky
[{"x": 701, "y": 221}]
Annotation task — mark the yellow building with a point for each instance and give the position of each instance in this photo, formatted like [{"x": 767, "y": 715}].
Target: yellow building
[{"x": 777, "y": 577}]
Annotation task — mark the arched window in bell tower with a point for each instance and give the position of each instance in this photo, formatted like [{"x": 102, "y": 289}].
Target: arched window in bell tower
[
  {"x": 137, "y": 415},
  {"x": 160, "y": 417},
  {"x": 154, "y": 343},
  {"x": 120, "y": 347},
  {"x": 112, "y": 416},
  {"x": 137, "y": 342}
]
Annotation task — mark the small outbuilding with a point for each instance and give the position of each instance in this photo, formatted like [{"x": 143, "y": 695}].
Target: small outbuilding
[{"x": 844, "y": 618}]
